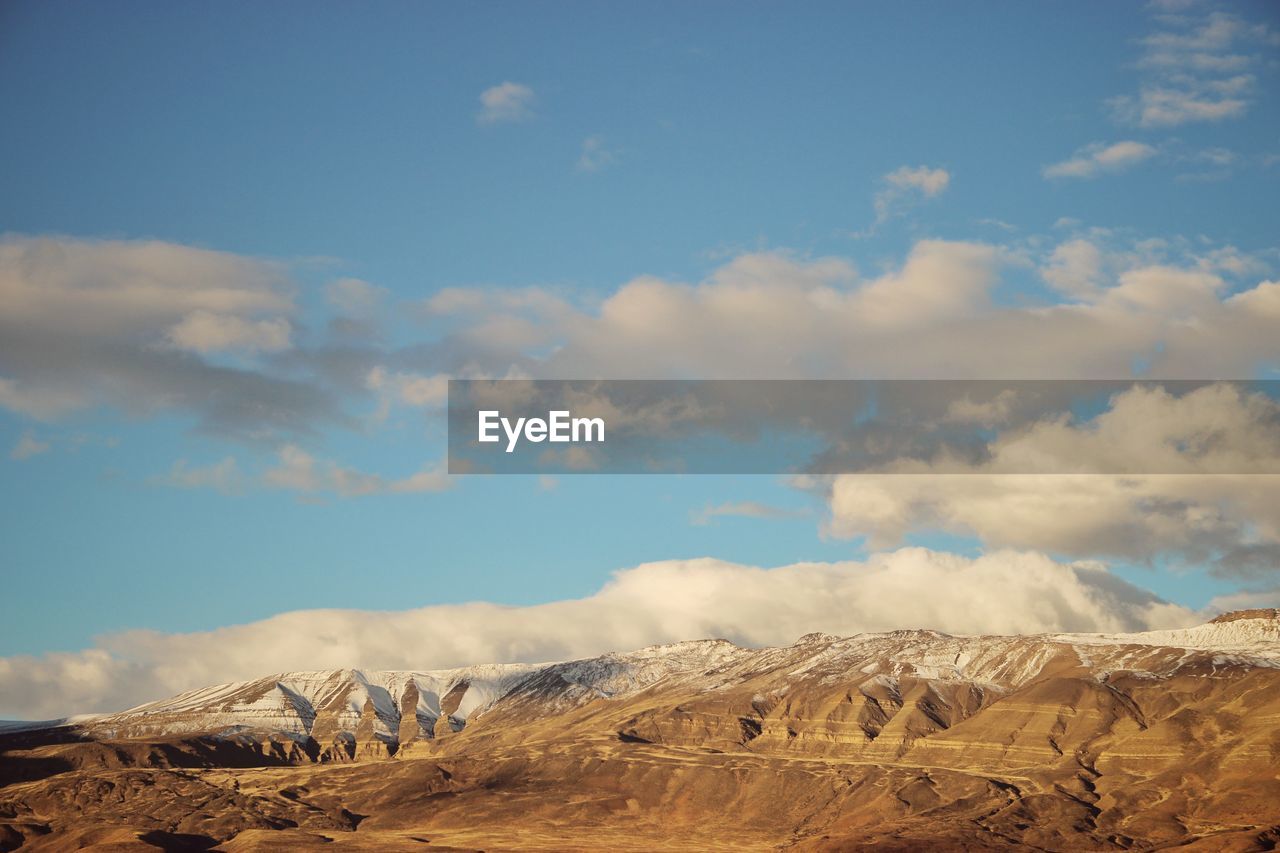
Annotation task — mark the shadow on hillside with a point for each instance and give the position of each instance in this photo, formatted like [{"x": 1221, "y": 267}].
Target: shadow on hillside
[
  {"x": 178, "y": 842},
  {"x": 18, "y": 764}
]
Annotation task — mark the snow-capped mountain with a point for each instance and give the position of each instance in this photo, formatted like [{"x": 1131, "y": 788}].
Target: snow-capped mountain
[
  {"x": 338, "y": 703},
  {"x": 384, "y": 710},
  {"x": 902, "y": 740}
]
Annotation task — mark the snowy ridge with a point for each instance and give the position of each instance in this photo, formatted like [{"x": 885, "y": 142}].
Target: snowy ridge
[
  {"x": 397, "y": 706},
  {"x": 16, "y": 726},
  {"x": 1257, "y": 638},
  {"x": 297, "y": 703},
  {"x": 624, "y": 673}
]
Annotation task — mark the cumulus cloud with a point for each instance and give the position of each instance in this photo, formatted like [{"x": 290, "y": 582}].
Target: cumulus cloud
[
  {"x": 1229, "y": 521},
  {"x": 507, "y": 102},
  {"x": 1184, "y": 312},
  {"x": 1181, "y": 311},
  {"x": 906, "y": 184},
  {"x": 933, "y": 316},
  {"x": 129, "y": 324},
  {"x": 1075, "y": 269},
  {"x": 1003, "y": 592},
  {"x": 1098, "y": 158},
  {"x": 132, "y": 289}
]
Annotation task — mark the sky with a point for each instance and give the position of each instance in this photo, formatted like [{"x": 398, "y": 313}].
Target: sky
[{"x": 245, "y": 245}]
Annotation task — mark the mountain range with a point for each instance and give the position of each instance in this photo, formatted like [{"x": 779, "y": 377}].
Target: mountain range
[{"x": 904, "y": 740}]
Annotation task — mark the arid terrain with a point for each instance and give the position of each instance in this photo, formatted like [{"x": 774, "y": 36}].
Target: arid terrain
[{"x": 910, "y": 740}]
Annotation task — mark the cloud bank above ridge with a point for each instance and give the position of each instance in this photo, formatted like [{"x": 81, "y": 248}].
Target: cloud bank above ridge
[{"x": 1004, "y": 592}]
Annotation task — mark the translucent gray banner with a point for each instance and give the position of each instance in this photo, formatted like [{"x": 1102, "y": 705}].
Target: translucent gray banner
[{"x": 823, "y": 427}]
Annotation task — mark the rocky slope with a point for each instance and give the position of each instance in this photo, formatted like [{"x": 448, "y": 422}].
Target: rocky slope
[{"x": 884, "y": 741}]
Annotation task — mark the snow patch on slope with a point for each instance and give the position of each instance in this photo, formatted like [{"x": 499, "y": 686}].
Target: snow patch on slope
[{"x": 1257, "y": 638}]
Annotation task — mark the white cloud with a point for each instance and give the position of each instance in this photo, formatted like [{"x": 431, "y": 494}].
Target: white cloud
[
  {"x": 298, "y": 471},
  {"x": 223, "y": 476},
  {"x": 207, "y": 332},
  {"x": 596, "y": 155},
  {"x": 1166, "y": 107},
  {"x": 1099, "y": 158},
  {"x": 1100, "y": 506},
  {"x": 355, "y": 298},
  {"x": 933, "y": 316},
  {"x": 27, "y": 446},
  {"x": 85, "y": 323},
  {"x": 1075, "y": 269},
  {"x": 1003, "y": 592},
  {"x": 1187, "y": 310},
  {"x": 38, "y": 401},
  {"x": 928, "y": 181},
  {"x": 1193, "y": 71},
  {"x": 743, "y": 509},
  {"x": 1230, "y": 260},
  {"x": 1209, "y": 164},
  {"x": 131, "y": 289},
  {"x": 986, "y": 414},
  {"x": 479, "y": 301},
  {"x": 506, "y": 102},
  {"x": 1246, "y": 600},
  {"x": 433, "y": 478},
  {"x": 906, "y": 184},
  {"x": 405, "y": 388}
]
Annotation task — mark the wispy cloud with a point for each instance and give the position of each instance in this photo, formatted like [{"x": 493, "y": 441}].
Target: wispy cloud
[
  {"x": 210, "y": 332},
  {"x": 596, "y": 155},
  {"x": 224, "y": 476},
  {"x": 298, "y": 471},
  {"x": 354, "y": 297},
  {"x": 928, "y": 181},
  {"x": 505, "y": 103},
  {"x": 744, "y": 509},
  {"x": 27, "y": 446},
  {"x": 1098, "y": 158},
  {"x": 1192, "y": 101},
  {"x": 908, "y": 184},
  {"x": 1195, "y": 70},
  {"x": 405, "y": 388}
]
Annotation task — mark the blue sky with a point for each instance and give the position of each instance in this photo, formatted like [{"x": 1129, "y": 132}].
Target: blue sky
[{"x": 340, "y": 141}]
